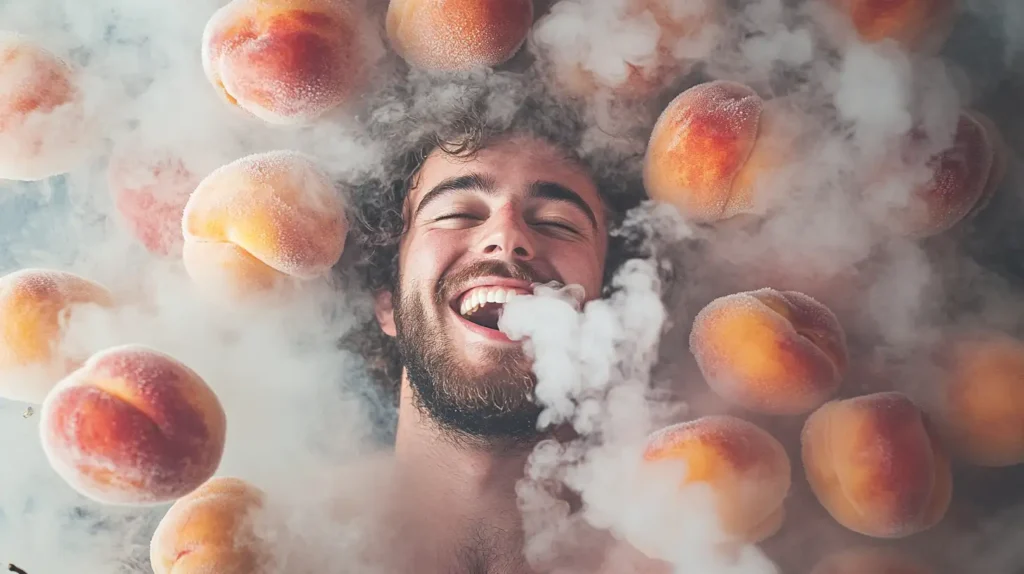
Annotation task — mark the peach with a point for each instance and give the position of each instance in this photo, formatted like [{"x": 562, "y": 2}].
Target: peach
[
  {"x": 453, "y": 35},
  {"x": 679, "y": 44},
  {"x": 258, "y": 221},
  {"x": 42, "y": 111},
  {"x": 982, "y": 398},
  {"x": 875, "y": 464},
  {"x": 1000, "y": 159},
  {"x": 211, "y": 530},
  {"x": 959, "y": 179},
  {"x": 916, "y": 24},
  {"x": 150, "y": 188},
  {"x": 36, "y": 306},
  {"x": 287, "y": 61},
  {"x": 768, "y": 351},
  {"x": 870, "y": 561},
  {"x": 712, "y": 144},
  {"x": 133, "y": 426},
  {"x": 747, "y": 469}
]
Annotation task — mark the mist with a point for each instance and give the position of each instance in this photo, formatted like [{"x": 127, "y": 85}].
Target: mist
[{"x": 300, "y": 408}]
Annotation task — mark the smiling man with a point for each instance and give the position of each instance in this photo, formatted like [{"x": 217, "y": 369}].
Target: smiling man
[
  {"x": 479, "y": 230},
  {"x": 475, "y": 212}
]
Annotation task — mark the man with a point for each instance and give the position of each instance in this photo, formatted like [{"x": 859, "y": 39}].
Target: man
[{"x": 480, "y": 211}]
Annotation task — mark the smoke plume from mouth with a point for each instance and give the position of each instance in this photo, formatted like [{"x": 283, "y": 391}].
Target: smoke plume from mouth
[{"x": 189, "y": 199}]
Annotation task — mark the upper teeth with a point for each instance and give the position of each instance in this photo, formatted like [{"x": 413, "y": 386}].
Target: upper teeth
[{"x": 479, "y": 296}]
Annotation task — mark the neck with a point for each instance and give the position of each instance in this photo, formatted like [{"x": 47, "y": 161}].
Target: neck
[{"x": 458, "y": 494}]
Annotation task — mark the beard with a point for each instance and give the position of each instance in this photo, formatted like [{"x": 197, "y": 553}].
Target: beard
[{"x": 492, "y": 402}]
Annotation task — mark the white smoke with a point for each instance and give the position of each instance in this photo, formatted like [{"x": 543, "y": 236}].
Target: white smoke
[
  {"x": 298, "y": 408},
  {"x": 593, "y": 368}
]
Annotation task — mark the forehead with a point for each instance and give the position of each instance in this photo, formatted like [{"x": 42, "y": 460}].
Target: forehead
[{"x": 515, "y": 163}]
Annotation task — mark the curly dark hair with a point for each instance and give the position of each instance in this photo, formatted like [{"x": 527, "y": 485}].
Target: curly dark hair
[{"x": 462, "y": 116}]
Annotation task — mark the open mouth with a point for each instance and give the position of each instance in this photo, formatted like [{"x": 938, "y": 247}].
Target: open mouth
[{"x": 482, "y": 306}]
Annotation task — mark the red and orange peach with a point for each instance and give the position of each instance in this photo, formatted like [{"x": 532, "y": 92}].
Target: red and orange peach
[
  {"x": 36, "y": 307},
  {"x": 711, "y": 146},
  {"x": 747, "y": 469},
  {"x": 919, "y": 25},
  {"x": 150, "y": 189},
  {"x": 960, "y": 178},
  {"x": 684, "y": 33},
  {"x": 773, "y": 352},
  {"x": 981, "y": 398},
  {"x": 211, "y": 529},
  {"x": 260, "y": 221},
  {"x": 876, "y": 465},
  {"x": 133, "y": 426},
  {"x": 42, "y": 111},
  {"x": 285, "y": 62},
  {"x": 453, "y": 35}
]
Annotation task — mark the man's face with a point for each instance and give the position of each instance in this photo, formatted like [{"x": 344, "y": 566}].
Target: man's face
[{"x": 480, "y": 230}]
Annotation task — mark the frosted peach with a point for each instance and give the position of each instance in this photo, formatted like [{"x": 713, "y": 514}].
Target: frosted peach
[
  {"x": 150, "y": 189},
  {"x": 680, "y": 28},
  {"x": 133, "y": 426},
  {"x": 876, "y": 465},
  {"x": 916, "y": 24},
  {"x": 958, "y": 183},
  {"x": 285, "y": 61},
  {"x": 36, "y": 306},
  {"x": 712, "y": 144},
  {"x": 452, "y": 35},
  {"x": 747, "y": 468},
  {"x": 260, "y": 220},
  {"x": 211, "y": 530},
  {"x": 982, "y": 398},
  {"x": 773, "y": 352},
  {"x": 42, "y": 123}
]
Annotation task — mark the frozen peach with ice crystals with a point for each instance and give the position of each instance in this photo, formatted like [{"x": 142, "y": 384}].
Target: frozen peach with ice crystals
[
  {"x": 915, "y": 24},
  {"x": 747, "y": 469},
  {"x": 981, "y": 398},
  {"x": 261, "y": 220},
  {"x": 150, "y": 187},
  {"x": 661, "y": 41},
  {"x": 212, "y": 529},
  {"x": 876, "y": 465},
  {"x": 42, "y": 113},
  {"x": 452, "y": 35},
  {"x": 959, "y": 180},
  {"x": 133, "y": 426},
  {"x": 285, "y": 61},
  {"x": 711, "y": 146},
  {"x": 36, "y": 307},
  {"x": 773, "y": 352}
]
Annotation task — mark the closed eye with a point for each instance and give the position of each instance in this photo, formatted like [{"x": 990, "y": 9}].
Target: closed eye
[
  {"x": 455, "y": 216},
  {"x": 558, "y": 227}
]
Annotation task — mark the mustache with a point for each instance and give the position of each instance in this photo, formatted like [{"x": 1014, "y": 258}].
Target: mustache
[{"x": 454, "y": 282}]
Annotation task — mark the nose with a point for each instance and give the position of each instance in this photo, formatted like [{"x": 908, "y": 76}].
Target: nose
[{"x": 506, "y": 235}]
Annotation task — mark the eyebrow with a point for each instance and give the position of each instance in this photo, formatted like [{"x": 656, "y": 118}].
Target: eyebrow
[
  {"x": 557, "y": 192},
  {"x": 539, "y": 189},
  {"x": 473, "y": 181}
]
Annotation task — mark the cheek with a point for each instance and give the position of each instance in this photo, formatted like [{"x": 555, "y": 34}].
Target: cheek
[
  {"x": 583, "y": 266},
  {"x": 423, "y": 260}
]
